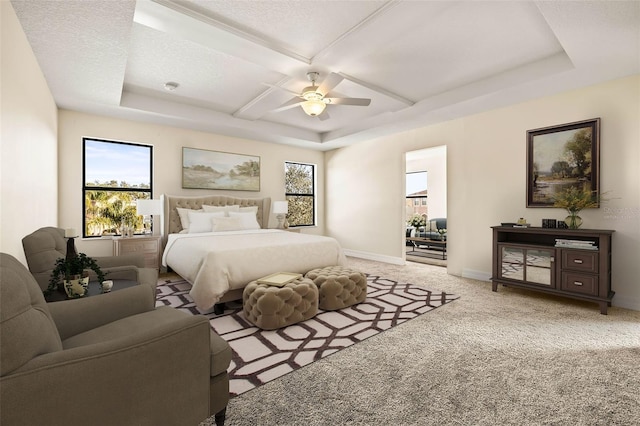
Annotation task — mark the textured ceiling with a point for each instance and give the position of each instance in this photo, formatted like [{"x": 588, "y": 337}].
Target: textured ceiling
[{"x": 420, "y": 62}]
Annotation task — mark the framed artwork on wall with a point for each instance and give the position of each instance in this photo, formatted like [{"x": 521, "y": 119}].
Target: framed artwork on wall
[
  {"x": 560, "y": 157},
  {"x": 204, "y": 169}
]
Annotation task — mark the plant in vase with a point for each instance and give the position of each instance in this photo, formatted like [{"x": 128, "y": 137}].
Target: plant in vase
[
  {"x": 417, "y": 222},
  {"x": 443, "y": 233},
  {"x": 573, "y": 200},
  {"x": 75, "y": 278}
]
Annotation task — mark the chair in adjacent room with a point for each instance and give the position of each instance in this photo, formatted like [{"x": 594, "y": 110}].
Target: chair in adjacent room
[
  {"x": 109, "y": 360},
  {"x": 44, "y": 246}
]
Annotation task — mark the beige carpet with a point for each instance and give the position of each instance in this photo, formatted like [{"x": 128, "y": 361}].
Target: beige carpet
[{"x": 507, "y": 358}]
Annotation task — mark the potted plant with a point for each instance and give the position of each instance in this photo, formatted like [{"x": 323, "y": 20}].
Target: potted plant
[
  {"x": 573, "y": 200},
  {"x": 417, "y": 221},
  {"x": 75, "y": 278}
]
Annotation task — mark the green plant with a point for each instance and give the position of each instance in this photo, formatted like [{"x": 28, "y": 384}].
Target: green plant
[
  {"x": 574, "y": 199},
  {"x": 67, "y": 268}
]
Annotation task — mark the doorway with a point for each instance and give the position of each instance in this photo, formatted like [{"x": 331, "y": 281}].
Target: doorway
[{"x": 426, "y": 196}]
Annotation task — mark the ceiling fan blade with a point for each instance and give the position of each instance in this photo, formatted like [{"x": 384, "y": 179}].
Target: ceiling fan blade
[
  {"x": 291, "y": 103},
  {"x": 329, "y": 83},
  {"x": 324, "y": 115},
  {"x": 281, "y": 88},
  {"x": 349, "y": 101}
]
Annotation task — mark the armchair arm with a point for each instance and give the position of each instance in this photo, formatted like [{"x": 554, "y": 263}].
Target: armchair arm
[
  {"x": 79, "y": 315},
  {"x": 122, "y": 260},
  {"x": 160, "y": 376},
  {"x": 128, "y": 272}
]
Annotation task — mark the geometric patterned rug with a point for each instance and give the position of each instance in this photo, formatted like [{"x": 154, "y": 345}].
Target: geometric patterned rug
[{"x": 260, "y": 356}]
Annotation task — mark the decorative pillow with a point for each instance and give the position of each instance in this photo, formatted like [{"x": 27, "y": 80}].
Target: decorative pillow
[
  {"x": 248, "y": 219},
  {"x": 184, "y": 216},
  {"x": 201, "y": 221},
  {"x": 253, "y": 209},
  {"x": 225, "y": 209},
  {"x": 227, "y": 224}
]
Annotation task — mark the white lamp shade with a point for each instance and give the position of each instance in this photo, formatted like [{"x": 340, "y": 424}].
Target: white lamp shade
[
  {"x": 280, "y": 207},
  {"x": 148, "y": 207}
]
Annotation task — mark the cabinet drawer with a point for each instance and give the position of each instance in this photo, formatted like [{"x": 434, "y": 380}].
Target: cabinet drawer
[
  {"x": 580, "y": 260},
  {"x": 151, "y": 260},
  {"x": 139, "y": 247},
  {"x": 580, "y": 283}
]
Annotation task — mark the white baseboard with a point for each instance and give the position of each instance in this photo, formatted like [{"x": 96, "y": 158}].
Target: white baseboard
[
  {"x": 476, "y": 275},
  {"x": 373, "y": 256}
]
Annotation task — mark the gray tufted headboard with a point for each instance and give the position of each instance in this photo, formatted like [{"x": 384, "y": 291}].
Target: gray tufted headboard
[{"x": 171, "y": 220}]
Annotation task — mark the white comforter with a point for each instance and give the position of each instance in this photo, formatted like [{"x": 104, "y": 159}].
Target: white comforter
[{"x": 216, "y": 262}]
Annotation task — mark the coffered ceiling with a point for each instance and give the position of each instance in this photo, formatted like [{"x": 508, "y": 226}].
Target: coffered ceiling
[{"x": 235, "y": 62}]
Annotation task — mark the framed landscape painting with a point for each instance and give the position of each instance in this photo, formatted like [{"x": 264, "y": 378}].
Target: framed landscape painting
[
  {"x": 204, "y": 169},
  {"x": 560, "y": 157}
]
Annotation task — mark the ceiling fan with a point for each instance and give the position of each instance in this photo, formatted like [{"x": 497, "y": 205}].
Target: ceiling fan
[{"x": 314, "y": 99}]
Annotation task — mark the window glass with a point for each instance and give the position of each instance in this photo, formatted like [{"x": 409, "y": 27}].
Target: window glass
[
  {"x": 115, "y": 175},
  {"x": 300, "y": 193}
]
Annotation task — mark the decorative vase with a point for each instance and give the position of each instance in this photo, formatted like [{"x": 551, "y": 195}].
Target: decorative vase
[
  {"x": 417, "y": 232},
  {"x": 573, "y": 221},
  {"x": 77, "y": 286}
]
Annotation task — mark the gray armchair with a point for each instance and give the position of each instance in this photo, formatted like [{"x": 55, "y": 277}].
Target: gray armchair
[
  {"x": 111, "y": 359},
  {"x": 43, "y": 247}
]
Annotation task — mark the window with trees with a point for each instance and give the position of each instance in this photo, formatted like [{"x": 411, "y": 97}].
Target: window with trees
[
  {"x": 115, "y": 176},
  {"x": 300, "y": 192}
]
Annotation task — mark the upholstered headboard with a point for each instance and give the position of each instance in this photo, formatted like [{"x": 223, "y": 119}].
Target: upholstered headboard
[{"x": 171, "y": 219}]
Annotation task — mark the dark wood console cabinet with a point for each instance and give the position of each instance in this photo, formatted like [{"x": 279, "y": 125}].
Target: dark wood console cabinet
[{"x": 529, "y": 258}]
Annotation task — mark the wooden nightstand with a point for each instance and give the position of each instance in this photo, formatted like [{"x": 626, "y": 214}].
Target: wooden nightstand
[{"x": 148, "y": 246}]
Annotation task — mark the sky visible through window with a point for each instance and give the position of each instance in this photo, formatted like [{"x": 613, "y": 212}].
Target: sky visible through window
[
  {"x": 106, "y": 161},
  {"x": 416, "y": 182}
]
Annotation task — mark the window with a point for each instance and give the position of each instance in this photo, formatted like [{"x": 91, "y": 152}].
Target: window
[
  {"x": 115, "y": 175},
  {"x": 300, "y": 185},
  {"x": 416, "y": 193}
]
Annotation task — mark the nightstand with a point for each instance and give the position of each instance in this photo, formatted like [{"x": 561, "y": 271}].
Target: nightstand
[{"x": 148, "y": 246}]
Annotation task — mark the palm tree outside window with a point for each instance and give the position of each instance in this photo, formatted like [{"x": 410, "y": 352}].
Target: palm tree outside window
[{"x": 115, "y": 175}]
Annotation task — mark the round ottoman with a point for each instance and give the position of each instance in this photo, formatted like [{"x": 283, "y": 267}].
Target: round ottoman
[
  {"x": 338, "y": 286},
  {"x": 269, "y": 307}
]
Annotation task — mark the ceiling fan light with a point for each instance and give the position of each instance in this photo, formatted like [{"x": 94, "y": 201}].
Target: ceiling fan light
[
  {"x": 311, "y": 93},
  {"x": 313, "y": 107}
]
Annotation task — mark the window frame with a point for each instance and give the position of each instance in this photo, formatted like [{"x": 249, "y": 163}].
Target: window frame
[
  {"x": 86, "y": 188},
  {"x": 312, "y": 195}
]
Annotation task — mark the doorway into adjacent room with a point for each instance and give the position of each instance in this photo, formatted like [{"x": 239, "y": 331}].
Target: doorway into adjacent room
[{"x": 426, "y": 198}]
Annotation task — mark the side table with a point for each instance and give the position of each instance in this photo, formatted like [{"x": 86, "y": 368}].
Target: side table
[
  {"x": 93, "y": 290},
  {"x": 147, "y": 245}
]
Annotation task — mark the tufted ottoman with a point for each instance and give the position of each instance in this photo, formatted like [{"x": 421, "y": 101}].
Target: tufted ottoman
[
  {"x": 270, "y": 307},
  {"x": 339, "y": 286}
]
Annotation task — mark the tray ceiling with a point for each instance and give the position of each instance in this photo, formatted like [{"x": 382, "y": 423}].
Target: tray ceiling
[{"x": 420, "y": 62}]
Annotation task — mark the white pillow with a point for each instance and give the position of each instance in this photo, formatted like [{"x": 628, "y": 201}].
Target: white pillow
[
  {"x": 253, "y": 209},
  {"x": 184, "y": 216},
  {"x": 201, "y": 221},
  {"x": 248, "y": 219},
  {"x": 227, "y": 224},
  {"x": 225, "y": 209}
]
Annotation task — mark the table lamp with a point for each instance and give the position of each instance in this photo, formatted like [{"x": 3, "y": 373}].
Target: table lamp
[
  {"x": 148, "y": 208},
  {"x": 281, "y": 208}
]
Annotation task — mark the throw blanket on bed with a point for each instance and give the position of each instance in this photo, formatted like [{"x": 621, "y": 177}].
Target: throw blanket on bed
[{"x": 216, "y": 262}]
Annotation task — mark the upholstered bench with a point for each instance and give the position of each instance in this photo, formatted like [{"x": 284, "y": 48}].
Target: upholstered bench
[
  {"x": 338, "y": 286},
  {"x": 270, "y": 307}
]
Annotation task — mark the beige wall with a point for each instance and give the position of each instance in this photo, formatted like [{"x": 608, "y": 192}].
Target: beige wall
[
  {"x": 29, "y": 183},
  {"x": 486, "y": 167},
  {"x": 167, "y": 164}
]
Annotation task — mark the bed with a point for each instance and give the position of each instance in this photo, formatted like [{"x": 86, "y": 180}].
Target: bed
[{"x": 220, "y": 262}]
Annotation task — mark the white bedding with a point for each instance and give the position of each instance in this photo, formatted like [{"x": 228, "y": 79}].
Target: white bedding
[{"x": 216, "y": 262}]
